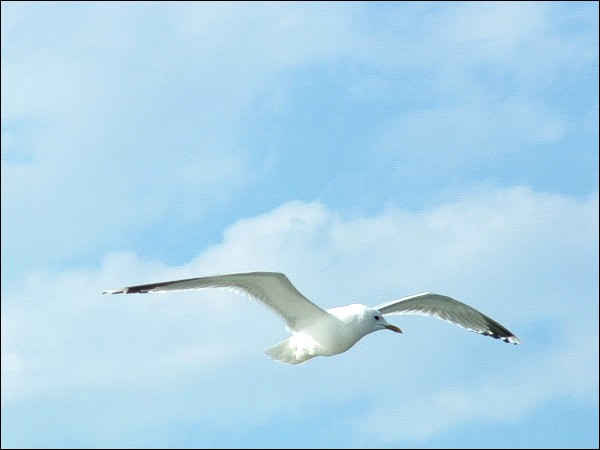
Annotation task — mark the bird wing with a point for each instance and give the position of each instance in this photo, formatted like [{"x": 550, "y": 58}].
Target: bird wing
[
  {"x": 450, "y": 310},
  {"x": 272, "y": 289}
]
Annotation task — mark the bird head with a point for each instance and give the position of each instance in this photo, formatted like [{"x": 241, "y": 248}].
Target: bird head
[
  {"x": 363, "y": 317},
  {"x": 379, "y": 323}
]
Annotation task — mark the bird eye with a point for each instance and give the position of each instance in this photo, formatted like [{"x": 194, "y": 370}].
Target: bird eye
[{"x": 376, "y": 317}]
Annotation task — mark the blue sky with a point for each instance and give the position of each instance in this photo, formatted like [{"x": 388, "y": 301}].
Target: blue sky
[{"x": 368, "y": 150}]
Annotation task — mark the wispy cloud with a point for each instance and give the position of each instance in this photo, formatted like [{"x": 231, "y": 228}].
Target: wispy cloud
[
  {"x": 105, "y": 107},
  {"x": 503, "y": 398}
]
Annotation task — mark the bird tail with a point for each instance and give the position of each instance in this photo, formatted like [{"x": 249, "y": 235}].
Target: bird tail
[{"x": 287, "y": 353}]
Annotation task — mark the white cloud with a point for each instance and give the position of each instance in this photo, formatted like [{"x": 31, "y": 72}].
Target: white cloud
[
  {"x": 118, "y": 137},
  {"x": 128, "y": 123},
  {"x": 499, "y": 27},
  {"x": 278, "y": 35},
  {"x": 505, "y": 397},
  {"x": 495, "y": 249},
  {"x": 430, "y": 143}
]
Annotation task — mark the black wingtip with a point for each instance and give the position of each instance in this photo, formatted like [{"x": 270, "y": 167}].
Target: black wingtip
[
  {"x": 508, "y": 338},
  {"x": 129, "y": 290}
]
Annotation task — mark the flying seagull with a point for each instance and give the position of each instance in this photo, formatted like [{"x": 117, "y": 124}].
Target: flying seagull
[{"x": 319, "y": 332}]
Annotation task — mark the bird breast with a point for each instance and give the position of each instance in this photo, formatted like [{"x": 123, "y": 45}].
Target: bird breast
[{"x": 336, "y": 336}]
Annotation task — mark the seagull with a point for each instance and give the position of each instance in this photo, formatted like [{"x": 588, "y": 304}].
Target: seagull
[{"x": 319, "y": 332}]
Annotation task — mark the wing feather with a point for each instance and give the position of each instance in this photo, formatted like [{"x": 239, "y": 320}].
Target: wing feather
[
  {"x": 450, "y": 310},
  {"x": 272, "y": 289}
]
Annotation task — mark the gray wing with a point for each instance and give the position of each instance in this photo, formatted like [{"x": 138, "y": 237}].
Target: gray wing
[
  {"x": 272, "y": 289},
  {"x": 450, "y": 310}
]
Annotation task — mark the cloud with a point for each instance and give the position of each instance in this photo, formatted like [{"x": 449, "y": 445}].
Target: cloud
[
  {"x": 499, "y": 399},
  {"x": 60, "y": 336},
  {"x": 468, "y": 138},
  {"x": 117, "y": 121}
]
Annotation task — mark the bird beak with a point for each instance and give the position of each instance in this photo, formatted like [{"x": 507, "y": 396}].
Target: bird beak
[{"x": 393, "y": 328}]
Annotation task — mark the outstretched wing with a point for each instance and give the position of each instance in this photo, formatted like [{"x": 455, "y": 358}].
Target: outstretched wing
[
  {"x": 272, "y": 289},
  {"x": 450, "y": 310}
]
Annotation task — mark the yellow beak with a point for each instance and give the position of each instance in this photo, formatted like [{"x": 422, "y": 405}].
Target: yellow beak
[{"x": 393, "y": 328}]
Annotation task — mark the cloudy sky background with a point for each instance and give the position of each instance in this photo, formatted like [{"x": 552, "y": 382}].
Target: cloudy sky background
[{"x": 368, "y": 150}]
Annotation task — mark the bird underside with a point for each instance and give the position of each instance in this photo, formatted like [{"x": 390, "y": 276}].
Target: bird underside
[{"x": 298, "y": 348}]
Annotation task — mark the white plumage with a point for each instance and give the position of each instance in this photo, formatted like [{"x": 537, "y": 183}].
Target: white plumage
[{"x": 319, "y": 332}]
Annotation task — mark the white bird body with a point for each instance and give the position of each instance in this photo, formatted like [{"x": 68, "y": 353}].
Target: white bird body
[
  {"x": 347, "y": 325},
  {"x": 319, "y": 332}
]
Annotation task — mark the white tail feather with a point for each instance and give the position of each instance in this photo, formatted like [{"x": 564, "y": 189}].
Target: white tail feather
[{"x": 293, "y": 350}]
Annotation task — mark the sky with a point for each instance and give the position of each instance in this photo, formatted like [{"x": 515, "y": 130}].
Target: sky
[{"x": 369, "y": 151}]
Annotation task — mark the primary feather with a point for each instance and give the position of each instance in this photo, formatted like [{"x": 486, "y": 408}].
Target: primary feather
[{"x": 450, "y": 310}]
